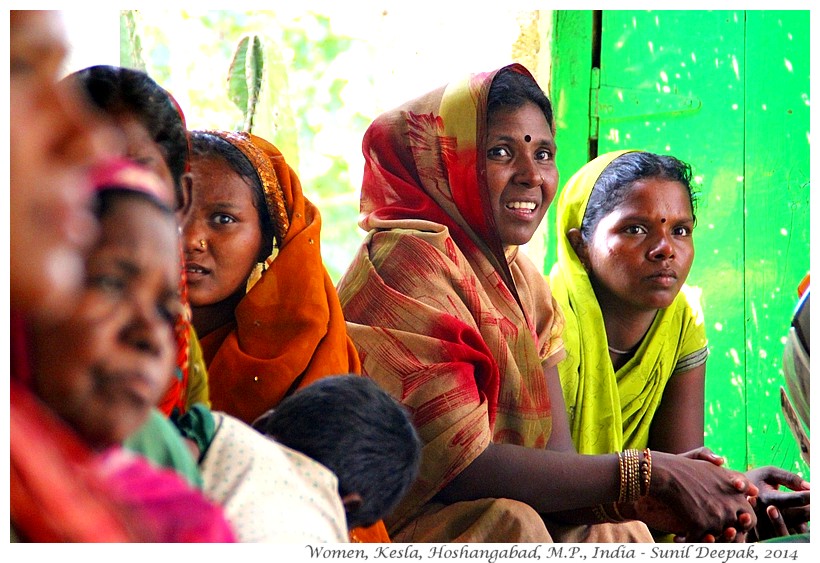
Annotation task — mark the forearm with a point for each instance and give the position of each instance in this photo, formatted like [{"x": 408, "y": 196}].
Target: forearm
[{"x": 548, "y": 481}]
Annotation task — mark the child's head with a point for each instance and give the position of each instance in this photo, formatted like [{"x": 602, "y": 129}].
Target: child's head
[
  {"x": 359, "y": 432},
  {"x": 104, "y": 368}
]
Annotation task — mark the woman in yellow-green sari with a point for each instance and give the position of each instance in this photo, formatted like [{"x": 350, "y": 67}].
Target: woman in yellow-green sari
[
  {"x": 636, "y": 350},
  {"x": 622, "y": 353}
]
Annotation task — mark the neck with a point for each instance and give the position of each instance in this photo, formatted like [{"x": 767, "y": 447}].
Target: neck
[
  {"x": 625, "y": 326},
  {"x": 208, "y": 318}
]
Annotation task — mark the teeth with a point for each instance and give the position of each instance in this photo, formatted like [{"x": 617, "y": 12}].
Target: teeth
[
  {"x": 194, "y": 269},
  {"x": 529, "y": 205}
]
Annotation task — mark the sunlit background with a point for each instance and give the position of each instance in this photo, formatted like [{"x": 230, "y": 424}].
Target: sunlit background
[{"x": 328, "y": 72}]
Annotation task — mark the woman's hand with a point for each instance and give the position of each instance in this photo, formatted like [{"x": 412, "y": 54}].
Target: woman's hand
[
  {"x": 705, "y": 454},
  {"x": 779, "y": 513},
  {"x": 697, "y": 500}
]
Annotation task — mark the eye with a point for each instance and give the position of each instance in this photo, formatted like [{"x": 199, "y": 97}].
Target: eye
[
  {"x": 682, "y": 231},
  {"x": 498, "y": 153},
  {"x": 20, "y": 66},
  {"x": 543, "y": 155},
  {"x": 109, "y": 283},
  {"x": 223, "y": 219},
  {"x": 635, "y": 230}
]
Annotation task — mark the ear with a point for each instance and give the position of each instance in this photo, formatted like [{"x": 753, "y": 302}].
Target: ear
[
  {"x": 187, "y": 185},
  {"x": 352, "y": 502},
  {"x": 576, "y": 241}
]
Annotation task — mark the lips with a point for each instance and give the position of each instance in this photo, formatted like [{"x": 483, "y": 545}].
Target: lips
[
  {"x": 521, "y": 208},
  {"x": 192, "y": 268},
  {"x": 666, "y": 277}
]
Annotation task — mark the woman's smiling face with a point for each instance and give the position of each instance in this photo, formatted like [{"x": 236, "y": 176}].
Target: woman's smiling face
[{"x": 520, "y": 170}]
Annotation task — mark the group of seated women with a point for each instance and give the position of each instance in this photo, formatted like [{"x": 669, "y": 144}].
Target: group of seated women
[{"x": 185, "y": 370}]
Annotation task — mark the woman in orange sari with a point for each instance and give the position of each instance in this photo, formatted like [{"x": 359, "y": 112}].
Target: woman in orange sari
[
  {"x": 461, "y": 327},
  {"x": 263, "y": 304}
]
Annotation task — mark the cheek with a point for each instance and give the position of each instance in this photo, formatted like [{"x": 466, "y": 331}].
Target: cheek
[{"x": 496, "y": 182}]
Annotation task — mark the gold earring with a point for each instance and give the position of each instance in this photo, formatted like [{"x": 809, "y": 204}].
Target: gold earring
[{"x": 202, "y": 243}]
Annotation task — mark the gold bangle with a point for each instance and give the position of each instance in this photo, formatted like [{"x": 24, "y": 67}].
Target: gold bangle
[
  {"x": 630, "y": 482},
  {"x": 646, "y": 471}
]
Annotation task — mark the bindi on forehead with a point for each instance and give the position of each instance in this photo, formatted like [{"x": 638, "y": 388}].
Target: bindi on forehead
[
  {"x": 527, "y": 138},
  {"x": 663, "y": 219}
]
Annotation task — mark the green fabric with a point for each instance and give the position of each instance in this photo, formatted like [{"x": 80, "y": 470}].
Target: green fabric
[
  {"x": 198, "y": 425},
  {"x": 160, "y": 441},
  {"x": 611, "y": 411}
]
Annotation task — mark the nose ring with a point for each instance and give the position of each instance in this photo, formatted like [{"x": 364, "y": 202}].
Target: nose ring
[{"x": 202, "y": 243}]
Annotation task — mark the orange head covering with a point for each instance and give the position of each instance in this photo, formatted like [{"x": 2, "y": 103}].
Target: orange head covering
[{"x": 289, "y": 329}]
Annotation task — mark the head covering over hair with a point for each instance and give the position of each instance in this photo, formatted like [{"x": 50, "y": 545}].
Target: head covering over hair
[
  {"x": 124, "y": 174},
  {"x": 453, "y": 328},
  {"x": 433, "y": 170},
  {"x": 288, "y": 329},
  {"x": 610, "y": 411}
]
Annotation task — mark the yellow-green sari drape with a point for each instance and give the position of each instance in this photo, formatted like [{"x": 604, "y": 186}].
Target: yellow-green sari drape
[{"x": 609, "y": 411}]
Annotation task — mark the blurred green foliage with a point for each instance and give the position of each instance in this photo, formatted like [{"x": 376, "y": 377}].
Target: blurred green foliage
[{"x": 301, "y": 106}]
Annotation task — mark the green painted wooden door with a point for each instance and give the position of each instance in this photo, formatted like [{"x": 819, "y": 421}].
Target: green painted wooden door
[{"x": 728, "y": 92}]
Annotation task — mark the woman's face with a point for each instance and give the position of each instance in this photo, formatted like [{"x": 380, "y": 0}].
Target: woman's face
[
  {"x": 53, "y": 140},
  {"x": 640, "y": 253},
  {"x": 521, "y": 173},
  {"x": 104, "y": 368},
  {"x": 222, "y": 235}
]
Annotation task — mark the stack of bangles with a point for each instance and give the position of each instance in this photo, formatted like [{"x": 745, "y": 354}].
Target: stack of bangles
[{"x": 636, "y": 474}]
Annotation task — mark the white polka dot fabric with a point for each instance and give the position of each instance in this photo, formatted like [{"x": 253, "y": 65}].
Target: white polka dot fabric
[{"x": 271, "y": 493}]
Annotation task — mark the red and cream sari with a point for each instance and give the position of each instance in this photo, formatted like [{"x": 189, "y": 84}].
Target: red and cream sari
[{"x": 443, "y": 319}]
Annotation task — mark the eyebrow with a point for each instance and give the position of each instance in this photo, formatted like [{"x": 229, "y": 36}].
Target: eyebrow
[
  {"x": 646, "y": 219},
  {"x": 540, "y": 142},
  {"x": 226, "y": 205}
]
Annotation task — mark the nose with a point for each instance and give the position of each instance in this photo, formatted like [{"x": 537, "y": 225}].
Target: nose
[
  {"x": 662, "y": 248},
  {"x": 148, "y": 330},
  {"x": 527, "y": 173},
  {"x": 194, "y": 237}
]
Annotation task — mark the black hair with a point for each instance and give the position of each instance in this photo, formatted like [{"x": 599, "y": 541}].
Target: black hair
[
  {"x": 207, "y": 145},
  {"x": 106, "y": 197},
  {"x": 358, "y": 431},
  {"x": 617, "y": 179},
  {"x": 117, "y": 90},
  {"x": 511, "y": 90}
]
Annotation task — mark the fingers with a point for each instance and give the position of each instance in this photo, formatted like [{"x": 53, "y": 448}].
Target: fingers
[
  {"x": 743, "y": 485},
  {"x": 778, "y": 524},
  {"x": 778, "y": 476},
  {"x": 705, "y": 454},
  {"x": 786, "y": 500}
]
